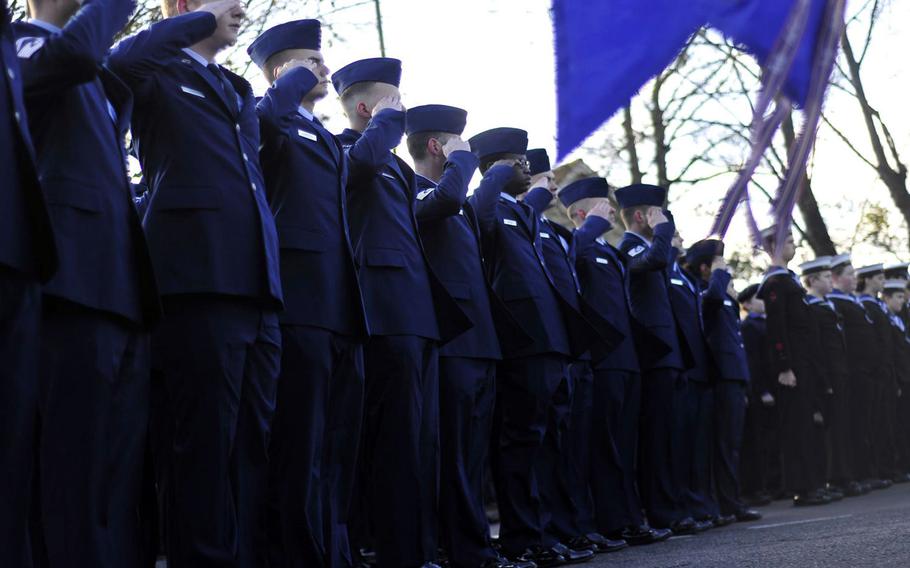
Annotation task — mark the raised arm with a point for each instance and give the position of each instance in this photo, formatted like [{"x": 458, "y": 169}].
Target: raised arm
[
  {"x": 585, "y": 236},
  {"x": 136, "y": 58},
  {"x": 653, "y": 258},
  {"x": 717, "y": 285},
  {"x": 373, "y": 148},
  {"x": 449, "y": 196},
  {"x": 74, "y": 56},
  {"x": 539, "y": 199},
  {"x": 278, "y": 107},
  {"x": 485, "y": 197}
]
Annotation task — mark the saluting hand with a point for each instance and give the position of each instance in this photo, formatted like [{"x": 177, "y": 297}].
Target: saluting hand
[
  {"x": 455, "y": 144},
  {"x": 221, "y": 8},
  {"x": 656, "y": 216},
  {"x": 294, "y": 63},
  {"x": 787, "y": 378},
  {"x": 602, "y": 209},
  {"x": 390, "y": 101},
  {"x": 718, "y": 263}
]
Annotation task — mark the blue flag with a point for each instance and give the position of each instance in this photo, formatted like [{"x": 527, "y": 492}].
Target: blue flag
[{"x": 606, "y": 50}]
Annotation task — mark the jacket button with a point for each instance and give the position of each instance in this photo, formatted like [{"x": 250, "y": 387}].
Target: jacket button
[
  {"x": 237, "y": 128},
  {"x": 245, "y": 158},
  {"x": 17, "y": 116},
  {"x": 11, "y": 74},
  {"x": 253, "y": 185}
]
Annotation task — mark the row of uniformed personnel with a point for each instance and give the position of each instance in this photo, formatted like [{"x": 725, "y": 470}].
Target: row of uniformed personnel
[
  {"x": 830, "y": 356},
  {"x": 306, "y": 346}
]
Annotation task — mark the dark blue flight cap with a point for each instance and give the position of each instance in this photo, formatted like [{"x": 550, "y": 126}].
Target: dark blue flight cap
[
  {"x": 436, "y": 118},
  {"x": 539, "y": 161},
  {"x": 499, "y": 141},
  {"x": 640, "y": 194},
  {"x": 704, "y": 251},
  {"x": 583, "y": 189},
  {"x": 299, "y": 34},
  {"x": 375, "y": 70}
]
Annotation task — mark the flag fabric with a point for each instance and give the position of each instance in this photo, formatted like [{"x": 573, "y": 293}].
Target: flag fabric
[{"x": 607, "y": 49}]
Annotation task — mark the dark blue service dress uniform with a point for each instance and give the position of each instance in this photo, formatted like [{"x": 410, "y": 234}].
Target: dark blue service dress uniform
[
  {"x": 721, "y": 318},
  {"x": 531, "y": 379},
  {"x": 94, "y": 384},
  {"x": 694, "y": 436},
  {"x": 410, "y": 313},
  {"x": 760, "y": 452},
  {"x": 467, "y": 364},
  {"x": 648, "y": 264},
  {"x": 28, "y": 257},
  {"x": 212, "y": 238},
  {"x": 316, "y": 432}
]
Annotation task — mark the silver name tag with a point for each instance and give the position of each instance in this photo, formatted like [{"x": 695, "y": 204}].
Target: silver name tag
[
  {"x": 192, "y": 91},
  {"x": 305, "y": 134},
  {"x": 510, "y": 222},
  {"x": 599, "y": 260}
]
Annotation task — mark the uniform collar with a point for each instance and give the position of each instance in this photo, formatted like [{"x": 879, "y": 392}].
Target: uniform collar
[
  {"x": 45, "y": 26},
  {"x": 199, "y": 59},
  {"x": 507, "y": 197},
  {"x": 647, "y": 241},
  {"x": 305, "y": 113},
  {"x": 756, "y": 316},
  {"x": 431, "y": 182}
]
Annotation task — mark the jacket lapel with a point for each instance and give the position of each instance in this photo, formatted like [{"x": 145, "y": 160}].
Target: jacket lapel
[{"x": 214, "y": 85}]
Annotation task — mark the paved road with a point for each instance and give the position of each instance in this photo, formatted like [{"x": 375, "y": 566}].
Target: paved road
[
  {"x": 871, "y": 531},
  {"x": 868, "y": 531}
]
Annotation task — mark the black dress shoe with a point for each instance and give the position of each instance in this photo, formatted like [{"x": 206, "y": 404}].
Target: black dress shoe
[
  {"x": 724, "y": 520},
  {"x": 597, "y": 543},
  {"x": 543, "y": 557},
  {"x": 876, "y": 484},
  {"x": 746, "y": 515},
  {"x": 573, "y": 555},
  {"x": 704, "y": 525},
  {"x": 503, "y": 562},
  {"x": 811, "y": 498},
  {"x": 684, "y": 526},
  {"x": 852, "y": 489},
  {"x": 640, "y": 536},
  {"x": 834, "y": 494}
]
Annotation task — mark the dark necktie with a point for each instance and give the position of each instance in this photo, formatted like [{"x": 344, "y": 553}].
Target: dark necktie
[{"x": 230, "y": 94}]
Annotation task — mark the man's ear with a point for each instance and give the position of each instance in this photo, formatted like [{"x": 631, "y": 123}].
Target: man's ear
[
  {"x": 363, "y": 111},
  {"x": 434, "y": 147}
]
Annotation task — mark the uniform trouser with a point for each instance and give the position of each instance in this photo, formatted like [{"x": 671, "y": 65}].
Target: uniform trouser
[
  {"x": 614, "y": 442},
  {"x": 529, "y": 390},
  {"x": 837, "y": 418},
  {"x": 861, "y": 390},
  {"x": 883, "y": 428},
  {"x": 694, "y": 442},
  {"x": 757, "y": 449},
  {"x": 93, "y": 413},
  {"x": 657, "y": 483},
  {"x": 401, "y": 448},
  {"x": 730, "y": 410},
  {"x": 798, "y": 438},
  {"x": 572, "y": 511},
  {"x": 313, "y": 452},
  {"x": 467, "y": 394},
  {"x": 216, "y": 362},
  {"x": 20, "y": 316}
]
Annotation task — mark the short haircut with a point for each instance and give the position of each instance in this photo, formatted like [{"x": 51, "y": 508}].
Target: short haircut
[
  {"x": 354, "y": 94},
  {"x": 417, "y": 143},
  {"x": 274, "y": 62},
  {"x": 585, "y": 204},
  {"x": 629, "y": 212},
  {"x": 169, "y": 8},
  {"x": 488, "y": 161}
]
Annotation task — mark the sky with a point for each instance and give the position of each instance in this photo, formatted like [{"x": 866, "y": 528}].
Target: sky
[{"x": 495, "y": 59}]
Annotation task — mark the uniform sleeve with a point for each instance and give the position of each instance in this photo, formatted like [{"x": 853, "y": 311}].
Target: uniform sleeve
[
  {"x": 754, "y": 344},
  {"x": 778, "y": 341},
  {"x": 372, "y": 149},
  {"x": 447, "y": 198},
  {"x": 538, "y": 199},
  {"x": 279, "y": 105},
  {"x": 73, "y": 56},
  {"x": 585, "y": 236},
  {"x": 653, "y": 258},
  {"x": 137, "y": 58},
  {"x": 717, "y": 286},
  {"x": 485, "y": 197}
]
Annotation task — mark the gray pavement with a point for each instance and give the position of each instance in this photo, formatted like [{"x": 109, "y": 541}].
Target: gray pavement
[{"x": 868, "y": 531}]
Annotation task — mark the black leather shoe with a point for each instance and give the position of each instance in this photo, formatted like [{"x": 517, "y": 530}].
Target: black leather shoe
[
  {"x": 834, "y": 494},
  {"x": 573, "y": 555},
  {"x": 597, "y": 543},
  {"x": 704, "y": 525},
  {"x": 876, "y": 484},
  {"x": 811, "y": 498},
  {"x": 901, "y": 478},
  {"x": 746, "y": 515},
  {"x": 543, "y": 557},
  {"x": 853, "y": 489},
  {"x": 683, "y": 526},
  {"x": 639, "y": 536},
  {"x": 503, "y": 562},
  {"x": 724, "y": 520}
]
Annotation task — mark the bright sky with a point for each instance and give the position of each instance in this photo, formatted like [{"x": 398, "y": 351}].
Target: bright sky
[{"x": 495, "y": 59}]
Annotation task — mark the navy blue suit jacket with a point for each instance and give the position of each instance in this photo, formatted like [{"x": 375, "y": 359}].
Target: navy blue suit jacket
[
  {"x": 518, "y": 273},
  {"x": 721, "y": 318},
  {"x": 26, "y": 238},
  {"x": 453, "y": 249},
  {"x": 754, "y": 331},
  {"x": 209, "y": 226},
  {"x": 104, "y": 262},
  {"x": 305, "y": 173},
  {"x": 401, "y": 292},
  {"x": 685, "y": 301},
  {"x": 649, "y": 297}
]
